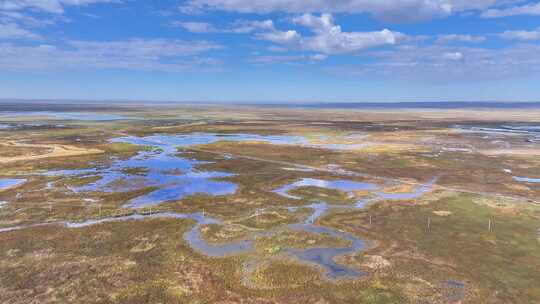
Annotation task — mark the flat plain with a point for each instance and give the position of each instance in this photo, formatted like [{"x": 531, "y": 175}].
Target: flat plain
[{"x": 247, "y": 204}]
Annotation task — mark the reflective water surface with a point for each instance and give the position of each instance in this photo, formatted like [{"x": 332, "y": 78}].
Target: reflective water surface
[
  {"x": 529, "y": 130},
  {"x": 208, "y": 138},
  {"x": 177, "y": 177},
  {"x": 6, "y": 183},
  {"x": 82, "y": 116},
  {"x": 173, "y": 176},
  {"x": 325, "y": 256},
  {"x": 526, "y": 179},
  {"x": 163, "y": 167},
  {"x": 341, "y": 185}
]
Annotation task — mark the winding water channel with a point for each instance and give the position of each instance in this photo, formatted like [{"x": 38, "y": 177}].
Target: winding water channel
[{"x": 176, "y": 176}]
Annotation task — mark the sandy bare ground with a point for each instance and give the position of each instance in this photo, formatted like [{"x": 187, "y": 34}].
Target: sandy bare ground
[
  {"x": 512, "y": 152},
  {"x": 54, "y": 151}
]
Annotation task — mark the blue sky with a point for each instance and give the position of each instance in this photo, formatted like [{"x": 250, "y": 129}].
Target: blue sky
[{"x": 271, "y": 50}]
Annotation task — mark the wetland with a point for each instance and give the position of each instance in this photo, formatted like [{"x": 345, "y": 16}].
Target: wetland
[{"x": 253, "y": 204}]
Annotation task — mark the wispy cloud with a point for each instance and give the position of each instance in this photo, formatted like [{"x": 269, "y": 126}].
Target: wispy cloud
[
  {"x": 47, "y": 6},
  {"x": 18, "y": 18},
  {"x": 134, "y": 54},
  {"x": 532, "y": 9},
  {"x": 521, "y": 35},
  {"x": 9, "y": 31},
  {"x": 445, "y": 39},
  {"x": 196, "y": 27},
  {"x": 236, "y": 27},
  {"x": 447, "y": 63},
  {"x": 288, "y": 59},
  {"x": 390, "y": 10}
]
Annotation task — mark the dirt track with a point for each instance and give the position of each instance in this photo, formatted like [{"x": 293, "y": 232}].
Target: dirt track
[{"x": 55, "y": 151}]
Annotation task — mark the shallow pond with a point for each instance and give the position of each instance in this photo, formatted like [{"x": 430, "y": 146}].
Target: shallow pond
[
  {"x": 175, "y": 177},
  {"x": 82, "y": 116},
  {"x": 529, "y": 130},
  {"x": 324, "y": 257},
  {"x": 502, "y": 129},
  {"x": 417, "y": 192},
  {"x": 186, "y": 140},
  {"x": 526, "y": 179},
  {"x": 193, "y": 237},
  {"x": 6, "y": 183},
  {"x": 341, "y": 185},
  {"x": 192, "y": 139}
]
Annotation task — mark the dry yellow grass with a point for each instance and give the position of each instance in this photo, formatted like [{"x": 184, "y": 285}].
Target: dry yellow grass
[{"x": 55, "y": 151}]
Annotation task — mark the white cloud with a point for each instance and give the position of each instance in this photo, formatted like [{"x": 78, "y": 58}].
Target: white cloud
[
  {"x": 532, "y": 9},
  {"x": 25, "y": 19},
  {"x": 329, "y": 38},
  {"x": 289, "y": 59},
  {"x": 444, "y": 39},
  {"x": 140, "y": 48},
  {"x": 237, "y": 27},
  {"x": 196, "y": 27},
  {"x": 286, "y": 37},
  {"x": 9, "y": 31},
  {"x": 318, "y": 57},
  {"x": 134, "y": 54},
  {"x": 244, "y": 26},
  {"x": 48, "y": 6},
  {"x": 521, "y": 35},
  {"x": 19, "y": 13},
  {"x": 390, "y": 10},
  {"x": 454, "y": 56},
  {"x": 318, "y": 24},
  {"x": 439, "y": 63},
  {"x": 336, "y": 41}
]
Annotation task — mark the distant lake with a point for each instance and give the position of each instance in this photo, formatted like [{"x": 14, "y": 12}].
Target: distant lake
[
  {"x": 6, "y": 183},
  {"x": 63, "y": 115}
]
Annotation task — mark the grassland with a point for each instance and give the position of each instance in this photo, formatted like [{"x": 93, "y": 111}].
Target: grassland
[{"x": 472, "y": 239}]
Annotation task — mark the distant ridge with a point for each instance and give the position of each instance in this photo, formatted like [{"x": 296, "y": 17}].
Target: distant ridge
[
  {"x": 412, "y": 105},
  {"x": 107, "y": 105}
]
